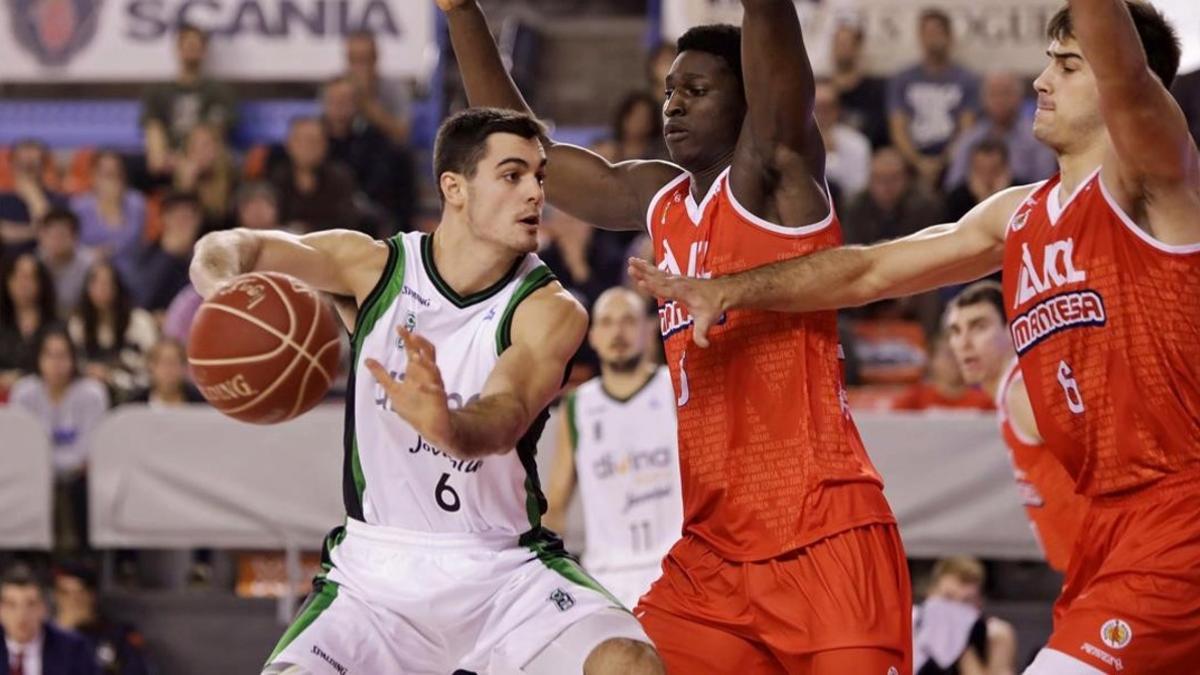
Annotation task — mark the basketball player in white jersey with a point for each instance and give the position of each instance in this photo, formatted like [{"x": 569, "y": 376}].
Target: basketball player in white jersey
[
  {"x": 461, "y": 340},
  {"x": 618, "y": 441}
]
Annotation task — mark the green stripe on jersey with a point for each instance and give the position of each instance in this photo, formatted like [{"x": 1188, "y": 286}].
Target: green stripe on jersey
[
  {"x": 572, "y": 425},
  {"x": 538, "y": 277},
  {"x": 552, "y": 555},
  {"x": 318, "y": 602}
]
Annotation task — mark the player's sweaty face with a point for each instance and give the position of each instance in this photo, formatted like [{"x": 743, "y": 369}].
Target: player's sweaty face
[
  {"x": 703, "y": 111},
  {"x": 506, "y": 194}
]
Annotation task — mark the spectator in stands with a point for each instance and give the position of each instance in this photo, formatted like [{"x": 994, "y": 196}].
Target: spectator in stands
[
  {"x": 169, "y": 385},
  {"x": 988, "y": 174},
  {"x": 31, "y": 644},
  {"x": 891, "y": 206},
  {"x": 658, "y": 64},
  {"x": 314, "y": 192},
  {"x": 951, "y": 633},
  {"x": 863, "y": 97},
  {"x": 113, "y": 335},
  {"x": 171, "y": 110},
  {"x": 383, "y": 170},
  {"x": 384, "y": 102},
  {"x": 69, "y": 407},
  {"x": 943, "y": 387},
  {"x": 257, "y": 207},
  {"x": 163, "y": 268},
  {"x": 59, "y": 250},
  {"x": 931, "y": 104},
  {"x": 112, "y": 217},
  {"x": 847, "y": 151},
  {"x": 117, "y": 648},
  {"x": 206, "y": 169},
  {"x": 636, "y": 130},
  {"x": 1002, "y": 121},
  {"x": 30, "y": 198},
  {"x": 27, "y": 307}
]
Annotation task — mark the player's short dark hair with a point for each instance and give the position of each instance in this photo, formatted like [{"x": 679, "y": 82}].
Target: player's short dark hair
[
  {"x": 979, "y": 293},
  {"x": 20, "y": 574},
  {"x": 721, "y": 40},
  {"x": 1159, "y": 39},
  {"x": 462, "y": 139},
  {"x": 59, "y": 214},
  {"x": 993, "y": 146},
  {"x": 938, "y": 15}
]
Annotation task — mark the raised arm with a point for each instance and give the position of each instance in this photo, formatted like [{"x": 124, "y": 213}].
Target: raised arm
[
  {"x": 578, "y": 181},
  {"x": 1149, "y": 132},
  {"x": 848, "y": 276}
]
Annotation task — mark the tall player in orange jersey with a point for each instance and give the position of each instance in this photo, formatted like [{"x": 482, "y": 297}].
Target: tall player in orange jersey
[
  {"x": 1101, "y": 267},
  {"x": 790, "y": 561},
  {"x": 982, "y": 346}
]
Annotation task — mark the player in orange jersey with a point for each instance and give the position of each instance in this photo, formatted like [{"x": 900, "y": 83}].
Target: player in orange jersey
[
  {"x": 1101, "y": 265},
  {"x": 790, "y": 561},
  {"x": 983, "y": 348}
]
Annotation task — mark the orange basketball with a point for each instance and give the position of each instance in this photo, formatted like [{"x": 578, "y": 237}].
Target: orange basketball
[{"x": 265, "y": 348}]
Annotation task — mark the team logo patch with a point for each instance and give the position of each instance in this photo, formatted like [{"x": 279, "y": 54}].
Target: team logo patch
[
  {"x": 54, "y": 31},
  {"x": 1058, "y": 313},
  {"x": 1116, "y": 633},
  {"x": 562, "y": 600}
]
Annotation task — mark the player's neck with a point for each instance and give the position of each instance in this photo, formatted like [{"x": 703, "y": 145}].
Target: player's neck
[
  {"x": 624, "y": 384},
  {"x": 467, "y": 264},
  {"x": 703, "y": 179},
  {"x": 1076, "y": 166}
]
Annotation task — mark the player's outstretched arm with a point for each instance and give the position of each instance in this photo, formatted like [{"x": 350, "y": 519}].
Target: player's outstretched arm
[
  {"x": 561, "y": 486},
  {"x": 341, "y": 262},
  {"x": 578, "y": 181},
  {"x": 1155, "y": 151},
  {"x": 547, "y": 329},
  {"x": 848, "y": 276}
]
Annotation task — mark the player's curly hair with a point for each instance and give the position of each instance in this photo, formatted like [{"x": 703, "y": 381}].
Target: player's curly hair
[
  {"x": 1159, "y": 39},
  {"x": 721, "y": 40}
]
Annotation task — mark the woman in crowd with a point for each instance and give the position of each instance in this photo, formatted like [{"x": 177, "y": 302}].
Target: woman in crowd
[
  {"x": 27, "y": 306},
  {"x": 112, "y": 217},
  {"x": 114, "y": 335},
  {"x": 169, "y": 387},
  {"x": 207, "y": 170}
]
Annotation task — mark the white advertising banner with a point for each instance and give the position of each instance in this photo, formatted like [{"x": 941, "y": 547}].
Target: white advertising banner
[
  {"x": 134, "y": 40},
  {"x": 989, "y": 34}
]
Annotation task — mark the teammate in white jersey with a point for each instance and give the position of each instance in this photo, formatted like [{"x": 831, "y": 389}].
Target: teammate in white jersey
[
  {"x": 618, "y": 440},
  {"x": 461, "y": 340}
]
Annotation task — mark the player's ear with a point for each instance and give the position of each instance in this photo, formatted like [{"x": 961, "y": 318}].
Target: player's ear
[{"x": 454, "y": 187}]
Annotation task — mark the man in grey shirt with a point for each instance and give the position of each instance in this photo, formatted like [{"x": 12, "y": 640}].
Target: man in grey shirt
[{"x": 59, "y": 250}]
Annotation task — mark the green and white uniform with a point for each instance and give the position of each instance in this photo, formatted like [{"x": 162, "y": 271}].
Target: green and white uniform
[
  {"x": 627, "y": 464},
  {"x": 443, "y": 564}
]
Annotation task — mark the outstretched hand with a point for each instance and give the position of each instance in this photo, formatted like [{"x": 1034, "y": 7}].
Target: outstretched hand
[
  {"x": 420, "y": 397},
  {"x": 701, "y": 297}
]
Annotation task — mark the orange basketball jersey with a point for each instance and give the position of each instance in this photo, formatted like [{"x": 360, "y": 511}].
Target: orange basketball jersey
[
  {"x": 1106, "y": 323},
  {"x": 1055, "y": 511},
  {"x": 770, "y": 458}
]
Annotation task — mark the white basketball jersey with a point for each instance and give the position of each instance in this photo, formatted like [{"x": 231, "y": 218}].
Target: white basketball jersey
[
  {"x": 627, "y": 463},
  {"x": 394, "y": 477}
]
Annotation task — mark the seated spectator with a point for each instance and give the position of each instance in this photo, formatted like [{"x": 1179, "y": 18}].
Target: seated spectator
[
  {"x": 314, "y": 192},
  {"x": 931, "y": 104},
  {"x": 27, "y": 307},
  {"x": 891, "y": 206},
  {"x": 257, "y": 207},
  {"x": 636, "y": 130},
  {"x": 951, "y": 633},
  {"x": 30, "y": 199},
  {"x": 205, "y": 168},
  {"x": 863, "y": 97},
  {"x": 384, "y": 102},
  {"x": 112, "y": 217},
  {"x": 163, "y": 266},
  {"x": 171, "y": 110},
  {"x": 31, "y": 644},
  {"x": 168, "y": 377},
  {"x": 113, "y": 335},
  {"x": 989, "y": 173},
  {"x": 383, "y": 170},
  {"x": 59, "y": 250},
  {"x": 1002, "y": 121},
  {"x": 117, "y": 648},
  {"x": 69, "y": 407},
  {"x": 943, "y": 387},
  {"x": 658, "y": 65},
  {"x": 847, "y": 152}
]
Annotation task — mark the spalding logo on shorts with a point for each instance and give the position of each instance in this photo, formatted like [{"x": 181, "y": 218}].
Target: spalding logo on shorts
[{"x": 1116, "y": 633}]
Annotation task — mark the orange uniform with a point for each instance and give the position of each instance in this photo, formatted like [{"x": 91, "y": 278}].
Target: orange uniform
[
  {"x": 789, "y": 548},
  {"x": 1055, "y": 511},
  {"x": 1106, "y": 323}
]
